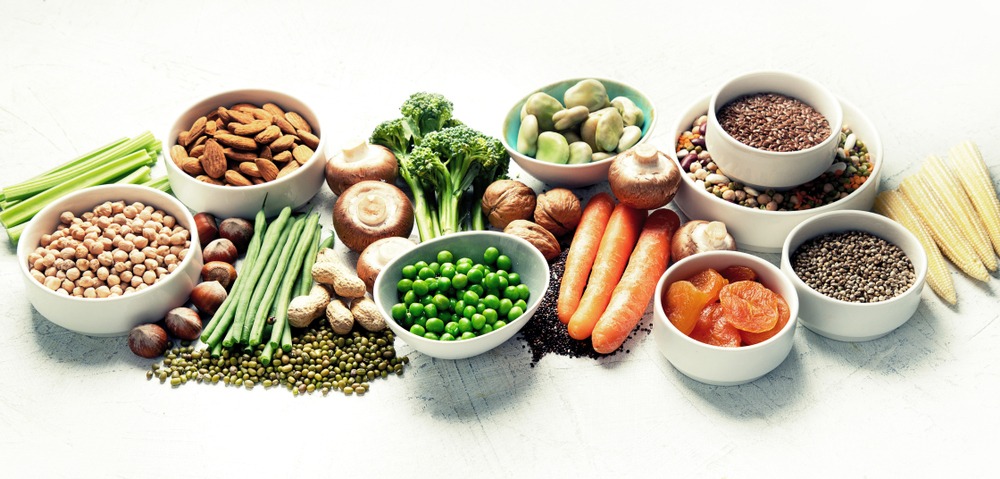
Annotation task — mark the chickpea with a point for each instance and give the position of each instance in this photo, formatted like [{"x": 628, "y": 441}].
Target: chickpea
[
  {"x": 85, "y": 282},
  {"x": 72, "y": 274},
  {"x": 169, "y": 221},
  {"x": 90, "y": 293},
  {"x": 103, "y": 209},
  {"x": 113, "y": 280},
  {"x": 126, "y": 246},
  {"x": 81, "y": 251},
  {"x": 103, "y": 274},
  {"x": 50, "y": 271},
  {"x": 139, "y": 269},
  {"x": 163, "y": 239},
  {"x": 150, "y": 264},
  {"x": 45, "y": 240},
  {"x": 66, "y": 217},
  {"x": 68, "y": 285},
  {"x": 130, "y": 211},
  {"x": 52, "y": 283},
  {"x": 126, "y": 276},
  {"x": 149, "y": 277},
  {"x": 136, "y": 281},
  {"x": 116, "y": 290},
  {"x": 77, "y": 291},
  {"x": 136, "y": 256},
  {"x": 141, "y": 242},
  {"x": 117, "y": 207},
  {"x": 103, "y": 292}
]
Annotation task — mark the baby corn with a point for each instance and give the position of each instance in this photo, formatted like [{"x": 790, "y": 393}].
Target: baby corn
[
  {"x": 978, "y": 185},
  {"x": 892, "y": 205},
  {"x": 942, "y": 227},
  {"x": 947, "y": 189}
]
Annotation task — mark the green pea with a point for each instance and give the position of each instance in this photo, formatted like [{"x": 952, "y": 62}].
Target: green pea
[
  {"x": 470, "y": 297},
  {"x": 480, "y": 307},
  {"x": 421, "y": 321},
  {"x": 502, "y": 283},
  {"x": 417, "y": 329},
  {"x": 409, "y": 272},
  {"x": 463, "y": 268},
  {"x": 492, "y": 281},
  {"x": 520, "y": 303},
  {"x": 416, "y": 310},
  {"x": 404, "y": 285},
  {"x": 491, "y": 301},
  {"x": 490, "y": 255},
  {"x": 436, "y": 325},
  {"x": 502, "y": 272},
  {"x": 407, "y": 322},
  {"x": 465, "y": 259},
  {"x": 432, "y": 336},
  {"x": 426, "y": 300},
  {"x": 523, "y": 292},
  {"x": 469, "y": 311},
  {"x": 434, "y": 266},
  {"x": 478, "y": 289},
  {"x": 441, "y": 301},
  {"x": 459, "y": 281},
  {"x": 432, "y": 284},
  {"x": 514, "y": 313},
  {"x": 447, "y": 337},
  {"x": 464, "y": 325},
  {"x": 409, "y": 298},
  {"x": 510, "y": 292},
  {"x": 459, "y": 306},
  {"x": 505, "y": 307},
  {"x": 398, "y": 312},
  {"x": 476, "y": 276},
  {"x": 487, "y": 328},
  {"x": 514, "y": 279},
  {"x": 443, "y": 283},
  {"x": 478, "y": 321},
  {"x": 445, "y": 316},
  {"x": 452, "y": 328},
  {"x": 430, "y": 310},
  {"x": 468, "y": 335},
  {"x": 499, "y": 324},
  {"x": 425, "y": 273},
  {"x": 503, "y": 262},
  {"x": 420, "y": 264},
  {"x": 445, "y": 256},
  {"x": 420, "y": 287},
  {"x": 447, "y": 270},
  {"x": 491, "y": 315}
]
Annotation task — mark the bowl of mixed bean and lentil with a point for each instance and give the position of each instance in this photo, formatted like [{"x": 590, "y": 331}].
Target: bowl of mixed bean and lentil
[
  {"x": 102, "y": 260},
  {"x": 759, "y": 219}
]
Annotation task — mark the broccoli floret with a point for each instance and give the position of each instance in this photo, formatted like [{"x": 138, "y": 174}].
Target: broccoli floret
[
  {"x": 394, "y": 135},
  {"x": 426, "y": 112}
]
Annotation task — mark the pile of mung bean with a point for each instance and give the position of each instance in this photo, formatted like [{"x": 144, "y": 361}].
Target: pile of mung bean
[
  {"x": 115, "y": 249},
  {"x": 849, "y": 171},
  {"x": 854, "y": 266},
  {"x": 319, "y": 361}
]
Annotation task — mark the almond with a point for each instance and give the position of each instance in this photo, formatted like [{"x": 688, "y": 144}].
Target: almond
[
  {"x": 209, "y": 180},
  {"x": 249, "y": 169},
  {"x": 257, "y": 181},
  {"x": 297, "y": 121},
  {"x": 251, "y": 128},
  {"x": 283, "y": 143},
  {"x": 243, "y": 107},
  {"x": 273, "y": 109},
  {"x": 239, "y": 155},
  {"x": 268, "y": 171},
  {"x": 311, "y": 140},
  {"x": 282, "y": 157},
  {"x": 197, "y": 142},
  {"x": 269, "y": 134},
  {"x": 265, "y": 152},
  {"x": 183, "y": 138},
  {"x": 197, "y": 151},
  {"x": 262, "y": 114},
  {"x": 214, "y": 161},
  {"x": 210, "y": 127},
  {"x": 302, "y": 154},
  {"x": 235, "y": 141},
  {"x": 178, "y": 154},
  {"x": 192, "y": 166},
  {"x": 196, "y": 130},
  {"x": 223, "y": 114},
  {"x": 285, "y": 126},
  {"x": 234, "y": 178},
  {"x": 288, "y": 169},
  {"x": 241, "y": 116}
]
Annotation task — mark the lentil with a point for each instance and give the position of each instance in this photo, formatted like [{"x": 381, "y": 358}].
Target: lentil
[
  {"x": 773, "y": 122},
  {"x": 854, "y": 266},
  {"x": 849, "y": 171}
]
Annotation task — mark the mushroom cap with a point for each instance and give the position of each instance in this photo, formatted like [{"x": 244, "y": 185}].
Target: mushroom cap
[
  {"x": 374, "y": 258},
  {"x": 360, "y": 161},
  {"x": 369, "y": 211},
  {"x": 644, "y": 178}
]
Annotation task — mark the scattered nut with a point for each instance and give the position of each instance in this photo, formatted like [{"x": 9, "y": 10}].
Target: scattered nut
[
  {"x": 208, "y": 296},
  {"x": 538, "y": 236},
  {"x": 183, "y": 323},
  {"x": 508, "y": 200},
  {"x": 558, "y": 210},
  {"x": 148, "y": 340}
]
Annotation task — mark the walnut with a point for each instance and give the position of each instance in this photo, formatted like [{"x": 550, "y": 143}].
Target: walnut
[
  {"x": 540, "y": 237},
  {"x": 558, "y": 210},
  {"x": 508, "y": 200}
]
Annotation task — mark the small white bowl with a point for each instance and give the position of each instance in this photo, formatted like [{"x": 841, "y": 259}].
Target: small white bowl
[
  {"x": 772, "y": 169},
  {"x": 761, "y": 230},
  {"x": 526, "y": 260},
  {"x": 717, "y": 365},
  {"x": 112, "y": 316},
  {"x": 291, "y": 190},
  {"x": 843, "y": 320},
  {"x": 572, "y": 176}
]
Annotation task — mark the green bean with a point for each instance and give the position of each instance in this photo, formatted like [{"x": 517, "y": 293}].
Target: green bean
[
  {"x": 227, "y": 310},
  {"x": 267, "y": 248},
  {"x": 284, "y": 290},
  {"x": 267, "y": 287}
]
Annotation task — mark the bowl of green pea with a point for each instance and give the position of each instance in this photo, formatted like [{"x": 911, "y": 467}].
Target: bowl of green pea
[{"x": 462, "y": 294}]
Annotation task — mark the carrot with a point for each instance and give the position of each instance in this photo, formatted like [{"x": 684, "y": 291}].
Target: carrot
[
  {"x": 629, "y": 299},
  {"x": 582, "y": 252},
  {"x": 612, "y": 255}
]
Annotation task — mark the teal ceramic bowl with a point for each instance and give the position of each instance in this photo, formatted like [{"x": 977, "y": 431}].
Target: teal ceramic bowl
[{"x": 572, "y": 176}]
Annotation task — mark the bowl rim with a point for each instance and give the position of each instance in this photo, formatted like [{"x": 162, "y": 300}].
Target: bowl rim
[
  {"x": 744, "y": 148},
  {"x": 876, "y": 171},
  {"x": 800, "y": 286},
  {"x": 532, "y": 306},
  {"x": 782, "y": 278},
  {"x": 518, "y": 156},
  {"x": 58, "y": 205},
  {"x": 171, "y": 140}
]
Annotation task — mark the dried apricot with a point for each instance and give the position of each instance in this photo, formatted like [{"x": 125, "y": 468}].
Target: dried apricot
[
  {"x": 783, "y": 316},
  {"x": 686, "y": 298},
  {"x": 749, "y": 306},
  {"x": 738, "y": 273},
  {"x": 712, "y": 328}
]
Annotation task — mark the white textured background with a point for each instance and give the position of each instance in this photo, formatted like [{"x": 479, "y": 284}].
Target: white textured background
[{"x": 919, "y": 402}]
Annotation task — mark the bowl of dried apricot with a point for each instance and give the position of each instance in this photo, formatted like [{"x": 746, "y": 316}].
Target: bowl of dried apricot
[{"x": 724, "y": 317}]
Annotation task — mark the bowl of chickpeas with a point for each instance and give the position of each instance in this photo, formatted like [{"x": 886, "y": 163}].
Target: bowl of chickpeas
[{"x": 102, "y": 260}]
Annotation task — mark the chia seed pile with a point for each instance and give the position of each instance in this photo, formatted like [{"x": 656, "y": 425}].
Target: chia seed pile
[
  {"x": 319, "y": 361},
  {"x": 774, "y": 122},
  {"x": 545, "y": 334},
  {"x": 854, "y": 266},
  {"x": 849, "y": 171}
]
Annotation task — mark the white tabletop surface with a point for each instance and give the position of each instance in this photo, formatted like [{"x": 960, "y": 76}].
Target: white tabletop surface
[{"x": 921, "y": 401}]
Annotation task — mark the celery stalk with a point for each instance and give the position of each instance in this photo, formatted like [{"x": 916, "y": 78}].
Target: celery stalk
[
  {"x": 14, "y": 234},
  {"x": 69, "y": 164},
  {"x": 136, "y": 177},
  {"x": 162, "y": 183}
]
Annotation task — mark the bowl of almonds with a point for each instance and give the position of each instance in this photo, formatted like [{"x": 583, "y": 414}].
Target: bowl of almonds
[{"x": 234, "y": 153}]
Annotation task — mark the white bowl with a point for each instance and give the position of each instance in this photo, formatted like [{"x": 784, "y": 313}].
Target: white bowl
[
  {"x": 292, "y": 190},
  {"x": 718, "y": 365},
  {"x": 527, "y": 261},
  {"x": 112, "y": 316},
  {"x": 843, "y": 320},
  {"x": 572, "y": 176},
  {"x": 761, "y": 230},
  {"x": 773, "y": 169}
]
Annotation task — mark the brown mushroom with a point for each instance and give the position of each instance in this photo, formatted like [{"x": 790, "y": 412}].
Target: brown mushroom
[
  {"x": 644, "y": 178},
  {"x": 698, "y": 236},
  {"x": 378, "y": 254},
  {"x": 369, "y": 211},
  {"x": 360, "y": 161}
]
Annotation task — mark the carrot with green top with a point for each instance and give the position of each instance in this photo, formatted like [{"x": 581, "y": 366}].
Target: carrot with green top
[
  {"x": 630, "y": 297},
  {"x": 612, "y": 257},
  {"x": 582, "y": 252}
]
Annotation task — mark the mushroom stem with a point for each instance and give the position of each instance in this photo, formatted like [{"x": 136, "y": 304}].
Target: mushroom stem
[
  {"x": 372, "y": 209},
  {"x": 355, "y": 149},
  {"x": 712, "y": 235},
  {"x": 647, "y": 154}
]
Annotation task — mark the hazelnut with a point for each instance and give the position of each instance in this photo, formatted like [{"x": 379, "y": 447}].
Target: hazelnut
[
  {"x": 204, "y": 223},
  {"x": 183, "y": 323},
  {"x": 540, "y": 237},
  {"x": 558, "y": 210},
  {"x": 208, "y": 296},
  {"x": 237, "y": 230},
  {"x": 220, "y": 271},
  {"x": 148, "y": 340},
  {"x": 508, "y": 200},
  {"x": 220, "y": 249}
]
